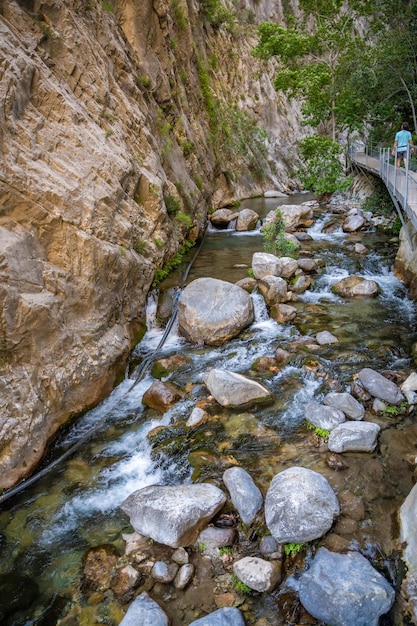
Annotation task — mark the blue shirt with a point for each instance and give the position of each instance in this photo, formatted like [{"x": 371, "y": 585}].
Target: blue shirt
[{"x": 403, "y": 137}]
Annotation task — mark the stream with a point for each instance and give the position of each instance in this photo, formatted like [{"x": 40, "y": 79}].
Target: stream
[{"x": 46, "y": 530}]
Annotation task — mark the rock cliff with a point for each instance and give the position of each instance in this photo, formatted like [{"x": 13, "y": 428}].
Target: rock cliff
[{"x": 122, "y": 123}]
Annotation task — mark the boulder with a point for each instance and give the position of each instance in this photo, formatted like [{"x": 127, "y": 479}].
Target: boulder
[
  {"x": 222, "y": 217},
  {"x": 356, "y": 286},
  {"x": 245, "y": 495},
  {"x": 273, "y": 289},
  {"x": 247, "y": 220},
  {"x": 353, "y": 223},
  {"x": 265, "y": 264},
  {"x": 345, "y": 402},
  {"x": 294, "y": 216},
  {"x": 408, "y": 537},
  {"x": 164, "y": 572},
  {"x": 379, "y": 386},
  {"x": 301, "y": 284},
  {"x": 212, "y": 311},
  {"x": 354, "y": 437},
  {"x": 274, "y": 193},
  {"x": 288, "y": 266},
  {"x": 229, "y": 616},
  {"x": 325, "y": 337},
  {"x": 321, "y": 416},
  {"x": 257, "y": 573},
  {"x": 173, "y": 514},
  {"x": 344, "y": 590},
  {"x": 233, "y": 390},
  {"x": 307, "y": 265},
  {"x": 161, "y": 396},
  {"x": 144, "y": 610},
  {"x": 300, "y": 505},
  {"x": 283, "y": 313},
  {"x": 215, "y": 537}
]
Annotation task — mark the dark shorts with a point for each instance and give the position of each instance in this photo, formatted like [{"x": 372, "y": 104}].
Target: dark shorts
[{"x": 401, "y": 154}]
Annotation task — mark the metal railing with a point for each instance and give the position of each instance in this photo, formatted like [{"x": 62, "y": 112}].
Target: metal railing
[{"x": 401, "y": 182}]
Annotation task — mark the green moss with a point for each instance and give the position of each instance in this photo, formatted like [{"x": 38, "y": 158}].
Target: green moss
[
  {"x": 239, "y": 586},
  {"x": 291, "y": 549}
]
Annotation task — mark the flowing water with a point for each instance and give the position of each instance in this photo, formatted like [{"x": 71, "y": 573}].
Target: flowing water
[{"x": 46, "y": 530}]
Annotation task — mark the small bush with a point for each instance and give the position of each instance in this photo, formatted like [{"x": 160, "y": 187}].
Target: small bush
[
  {"x": 159, "y": 243},
  {"x": 321, "y": 432},
  {"x": 185, "y": 219},
  {"x": 274, "y": 239},
  {"x": 172, "y": 204},
  {"x": 291, "y": 549}
]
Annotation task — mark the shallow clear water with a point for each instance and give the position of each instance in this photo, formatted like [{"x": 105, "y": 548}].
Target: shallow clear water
[{"x": 45, "y": 531}]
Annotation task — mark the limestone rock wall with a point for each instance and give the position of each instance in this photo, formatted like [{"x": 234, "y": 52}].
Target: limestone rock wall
[{"x": 104, "y": 114}]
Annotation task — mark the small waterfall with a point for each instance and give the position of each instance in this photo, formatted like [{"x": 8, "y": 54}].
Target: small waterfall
[{"x": 151, "y": 308}]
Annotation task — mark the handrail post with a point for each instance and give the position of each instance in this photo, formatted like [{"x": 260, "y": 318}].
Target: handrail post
[{"x": 406, "y": 177}]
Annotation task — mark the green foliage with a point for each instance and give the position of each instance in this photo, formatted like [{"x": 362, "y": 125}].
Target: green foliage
[
  {"x": 217, "y": 14},
  {"x": 250, "y": 273},
  {"x": 143, "y": 80},
  {"x": 202, "y": 547},
  {"x": 321, "y": 432},
  {"x": 392, "y": 410},
  {"x": 292, "y": 549},
  {"x": 172, "y": 204},
  {"x": 380, "y": 201},
  {"x": 159, "y": 243},
  {"x": 274, "y": 238},
  {"x": 140, "y": 247},
  {"x": 225, "y": 550},
  {"x": 164, "y": 271},
  {"x": 239, "y": 586},
  {"x": 322, "y": 170},
  {"x": 107, "y": 6},
  {"x": 396, "y": 226},
  {"x": 184, "y": 218},
  {"x": 179, "y": 15}
]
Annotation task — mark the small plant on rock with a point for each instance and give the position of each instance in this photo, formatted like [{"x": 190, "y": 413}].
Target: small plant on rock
[
  {"x": 291, "y": 549},
  {"x": 239, "y": 586},
  {"x": 321, "y": 432},
  {"x": 274, "y": 238}
]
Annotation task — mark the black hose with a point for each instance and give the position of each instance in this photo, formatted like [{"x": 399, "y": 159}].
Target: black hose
[{"x": 144, "y": 367}]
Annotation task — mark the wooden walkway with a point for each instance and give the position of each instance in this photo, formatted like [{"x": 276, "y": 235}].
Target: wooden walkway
[{"x": 400, "y": 182}]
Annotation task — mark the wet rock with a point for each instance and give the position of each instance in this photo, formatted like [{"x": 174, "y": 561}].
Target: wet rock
[
  {"x": 288, "y": 266},
  {"x": 378, "y": 406},
  {"x": 98, "y": 568},
  {"x": 213, "y": 311},
  {"x": 324, "y": 338},
  {"x": 245, "y": 495},
  {"x": 282, "y": 356},
  {"x": 273, "y": 289},
  {"x": 163, "y": 367},
  {"x": 283, "y": 313},
  {"x": 359, "y": 392},
  {"x": 229, "y": 616},
  {"x": 301, "y": 284},
  {"x": 344, "y": 590},
  {"x": 264, "y": 364},
  {"x": 300, "y": 506},
  {"x": 379, "y": 386},
  {"x": 161, "y": 396},
  {"x": 321, "y": 416},
  {"x": 247, "y": 220},
  {"x": 270, "y": 547},
  {"x": 295, "y": 216},
  {"x": 353, "y": 223},
  {"x": 409, "y": 388},
  {"x": 356, "y": 286},
  {"x": 247, "y": 283},
  {"x": 134, "y": 542},
  {"x": 184, "y": 576},
  {"x": 274, "y": 193},
  {"x": 303, "y": 236},
  {"x": 354, "y": 437},
  {"x": 360, "y": 248},
  {"x": 222, "y": 217},
  {"x": 164, "y": 572},
  {"x": 307, "y": 265},
  {"x": 265, "y": 264},
  {"x": 174, "y": 514},
  {"x": 408, "y": 536},
  {"x": 257, "y": 573},
  {"x": 144, "y": 610},
  {"x": 180, "y": 556},
  {"x": 345, "y": 402},
  {"x": 197, "y": 416},
  {"x": 232, "y": 390},
  {"x": 215, "y": 537},
  {"x": 125, "y": 582},
  {"x": 335, "y": 462}
]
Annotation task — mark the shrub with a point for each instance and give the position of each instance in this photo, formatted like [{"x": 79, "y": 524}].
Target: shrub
[
  {"x": 274, "y": 238},
  {"x": 172, "y": 204}
]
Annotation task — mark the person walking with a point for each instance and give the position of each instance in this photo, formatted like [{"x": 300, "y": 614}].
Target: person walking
[{"x": 403, "y": 139}]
